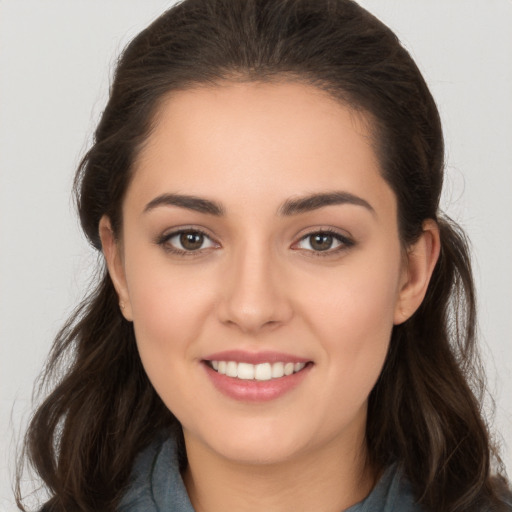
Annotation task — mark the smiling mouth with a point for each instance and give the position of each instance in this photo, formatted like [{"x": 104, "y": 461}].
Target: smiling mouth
[{"x": 260, "y": 372}]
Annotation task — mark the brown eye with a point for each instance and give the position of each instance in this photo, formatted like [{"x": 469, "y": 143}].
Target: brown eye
[
  {"x": 186, "y": 241},
  {"x": 324, "y": 241},
  {"x": 321, "y": 241},
  {"x": 191, "y": 240}
]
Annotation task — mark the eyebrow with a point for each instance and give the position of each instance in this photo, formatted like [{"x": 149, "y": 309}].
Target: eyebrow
[
  {"x": 197, "y": 204},
  {"x": 290, "y": 207},
  {"x": 320, "y": 200}
]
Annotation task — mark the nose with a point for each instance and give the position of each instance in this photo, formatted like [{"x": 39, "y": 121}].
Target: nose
[{"x": 255, "y": 295}]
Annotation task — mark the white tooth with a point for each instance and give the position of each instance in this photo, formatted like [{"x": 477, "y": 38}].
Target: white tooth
[
  {"x": 245, "y": 371},
  {"x": 288, "y": 368},
  {"x": 231, "y": 369},
  {"x": 277, "y": 370},
  {"x": 215, "y": 365},
  {"x": 263, "y": 371},
  {"x": 222, "y": 367},
  {"x": 297, "y": 367}
]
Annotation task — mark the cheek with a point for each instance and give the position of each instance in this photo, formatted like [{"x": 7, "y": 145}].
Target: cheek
[
  {"x": 358, "y": 298},
  {"x": 353, "y": 316},
  {"x": 169, "y": 313},
  {"x": 169, "y": 308}
]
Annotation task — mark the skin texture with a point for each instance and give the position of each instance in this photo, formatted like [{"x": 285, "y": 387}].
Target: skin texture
[{"x": 257, "y": 284}]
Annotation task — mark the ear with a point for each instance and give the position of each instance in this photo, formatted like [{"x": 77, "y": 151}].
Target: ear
[
  {"x": 420, "y": 261},
  {"x": 113, "y": 257}
]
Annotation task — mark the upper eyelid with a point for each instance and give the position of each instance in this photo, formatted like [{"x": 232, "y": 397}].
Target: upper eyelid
[
  {"x": 164, "y": 242},
  {"x": 336, "y": 232},
  {"x": 344, "y": 237},
  {"x": 345, "y": 242},
  {"x": 164, "y": 239},
  {"x": 169, "y": 233}
]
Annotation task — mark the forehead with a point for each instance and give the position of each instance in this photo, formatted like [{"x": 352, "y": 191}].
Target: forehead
[
  {"x": 249, "y": 107},
  {"x": 266, "y": 138}
]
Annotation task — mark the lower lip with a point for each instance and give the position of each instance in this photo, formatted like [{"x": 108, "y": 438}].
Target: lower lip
[{"x": 256, "y": 390}]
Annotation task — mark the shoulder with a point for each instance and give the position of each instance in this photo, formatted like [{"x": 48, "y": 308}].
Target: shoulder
[
  {"x": 156, "y": 483},
  {"x": 139, "y": 493},
  {"x": 393, "y": 493}
]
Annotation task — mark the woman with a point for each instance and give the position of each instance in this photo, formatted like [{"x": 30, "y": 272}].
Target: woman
[{"x": 286, "y": 319}]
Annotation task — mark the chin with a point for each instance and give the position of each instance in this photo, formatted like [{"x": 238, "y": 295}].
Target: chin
[
  {"x": 247, "y": 453},
  {"x": 260, "y": 444}
]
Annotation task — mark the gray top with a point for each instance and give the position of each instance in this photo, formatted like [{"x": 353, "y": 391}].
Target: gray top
[{"x": 157, "y": 486}]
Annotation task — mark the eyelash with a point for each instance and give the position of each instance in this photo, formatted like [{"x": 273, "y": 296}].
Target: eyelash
[
  {"x": 164, "y": 241},
  {"x": 344, "y": 242}
]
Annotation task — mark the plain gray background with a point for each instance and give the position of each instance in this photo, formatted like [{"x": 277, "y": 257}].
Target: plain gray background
[{"x": 55, "y": 62}]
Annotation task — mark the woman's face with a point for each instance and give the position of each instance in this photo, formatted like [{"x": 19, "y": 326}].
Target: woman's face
[{"x": 259, "y": 239}]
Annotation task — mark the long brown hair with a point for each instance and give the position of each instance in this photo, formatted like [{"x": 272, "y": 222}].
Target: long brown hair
[{"x": 425, "y": 411}]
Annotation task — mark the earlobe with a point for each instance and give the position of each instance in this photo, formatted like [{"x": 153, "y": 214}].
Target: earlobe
[
  {"x": 421, "y": 260},
  {"x": 112, "y": 252}
]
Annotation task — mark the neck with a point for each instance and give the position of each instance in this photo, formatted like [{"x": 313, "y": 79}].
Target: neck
[{"x": 331, "y": 479}]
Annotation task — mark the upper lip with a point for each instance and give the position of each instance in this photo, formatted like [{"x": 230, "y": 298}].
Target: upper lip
[{"x": 240, "y": 356}]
